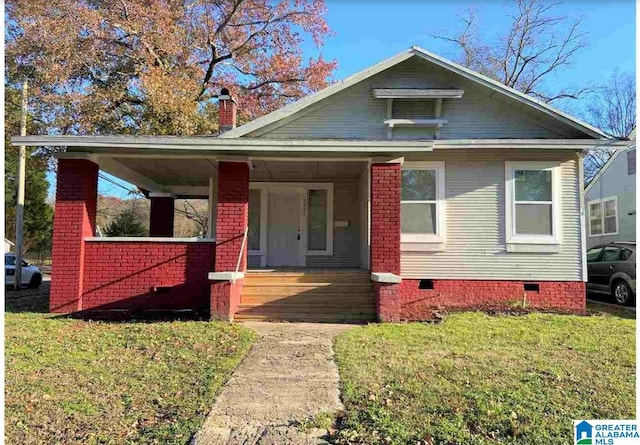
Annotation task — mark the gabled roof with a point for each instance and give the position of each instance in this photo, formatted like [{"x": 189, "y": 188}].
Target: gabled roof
[
  {"x": 610, "y": 161},
  {"x": 307, "y": 101}
]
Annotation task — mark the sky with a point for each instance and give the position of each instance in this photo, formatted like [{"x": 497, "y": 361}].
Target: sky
[{"x": 368, "y": 31}]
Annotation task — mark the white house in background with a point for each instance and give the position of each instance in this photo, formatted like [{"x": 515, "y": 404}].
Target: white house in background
[
  {"x": 8, "y": 246},
  {"x": 611, "y": 199}
]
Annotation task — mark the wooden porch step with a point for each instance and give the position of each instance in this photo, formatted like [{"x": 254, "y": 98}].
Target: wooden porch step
[
  {"x": 308, "y": 297},
  {"x": 305, "y": 288},
  {"x": 301, "y": 278},
  {"x": 309, "y": 316},
  {"x": 337, "y": 296}
]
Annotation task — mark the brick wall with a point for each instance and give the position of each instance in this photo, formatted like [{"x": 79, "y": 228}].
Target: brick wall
[
  {"x": 419, "y": 304},
  {"x": 123, "y": 275},
  {"x": 385, "y": 218},
  {"x": 74, "y": 219}
]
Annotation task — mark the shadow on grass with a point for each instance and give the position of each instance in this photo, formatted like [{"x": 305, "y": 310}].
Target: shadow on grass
[
  {"x": 37, "y": 301},
  {"x": 27, "y": 300}
]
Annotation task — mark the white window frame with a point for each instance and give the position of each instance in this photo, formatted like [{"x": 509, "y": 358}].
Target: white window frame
[
  {"x": 601, "y": 202},
  {"x": 556, "y": 203},
  {"x": 440, "y": 236}
]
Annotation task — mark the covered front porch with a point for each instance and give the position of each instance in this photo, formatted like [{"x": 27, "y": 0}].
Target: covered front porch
[{"x": 270, "y": 214}]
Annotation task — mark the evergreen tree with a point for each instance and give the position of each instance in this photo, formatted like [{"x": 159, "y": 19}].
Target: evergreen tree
[
  {"x": 38, "y": 214},
  {"x": 126, "y": 223}
]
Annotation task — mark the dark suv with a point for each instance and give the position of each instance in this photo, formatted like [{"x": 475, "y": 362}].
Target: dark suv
[{"x": 612, "y": 270}]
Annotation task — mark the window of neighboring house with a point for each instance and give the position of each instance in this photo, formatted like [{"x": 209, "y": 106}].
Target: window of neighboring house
[
  {"x": 533, "y": 202},
  {"x": 631, "y": 162},
  {"x": 422, "y": 202},
  {"x": 603, "y": 216},
  {"x": 254, "y": 219}
]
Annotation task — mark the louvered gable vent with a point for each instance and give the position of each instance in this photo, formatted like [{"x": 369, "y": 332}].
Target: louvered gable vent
[{"x": 413, "y": 109}]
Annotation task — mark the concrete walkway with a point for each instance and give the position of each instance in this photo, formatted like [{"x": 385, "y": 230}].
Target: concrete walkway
[{"x": 288, "y": 376}]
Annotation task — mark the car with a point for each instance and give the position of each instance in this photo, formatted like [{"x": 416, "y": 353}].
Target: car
[
  {"x": 31, "y": 275},
  {"x": 612, "y": 270}
]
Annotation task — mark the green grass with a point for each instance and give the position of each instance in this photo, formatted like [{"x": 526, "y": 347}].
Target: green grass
[
  {"x": 479, "y": 379},
  {"x": 70, "y": 381}
]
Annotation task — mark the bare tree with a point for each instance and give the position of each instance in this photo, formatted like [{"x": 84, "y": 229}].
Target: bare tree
[
  {"x": 536, "y": 45},
  {"x": 187, "y": 209},
  {"x": 613, "y": 110}
]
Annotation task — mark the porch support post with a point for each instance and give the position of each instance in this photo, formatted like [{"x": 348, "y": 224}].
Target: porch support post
[
  {"x": 161, "y": 217},
  {"x": 232, "y": 220},
  {"x": 385, "y": 239},
  {"x": 74, "y": 219}
]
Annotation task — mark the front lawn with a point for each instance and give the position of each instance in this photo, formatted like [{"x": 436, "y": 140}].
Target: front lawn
[
  {"x": 480, "y": 379},
  {"x": 71, "y": 381}
]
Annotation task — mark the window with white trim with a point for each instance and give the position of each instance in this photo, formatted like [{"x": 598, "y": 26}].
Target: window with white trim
[
  {"x": 533, "y": 210},
  {"x": 603, "y": 216},
  {"x": 422, "y": 200}
]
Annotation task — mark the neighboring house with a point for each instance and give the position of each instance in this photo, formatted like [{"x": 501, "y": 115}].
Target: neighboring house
[
  {"x": 611, "y": 199},
  {"x": 412, "y": 186},
  {"x": 8, "y": 246}
]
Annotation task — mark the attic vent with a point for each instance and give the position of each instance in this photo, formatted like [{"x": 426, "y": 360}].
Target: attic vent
[{"x": 413, "y": 109}]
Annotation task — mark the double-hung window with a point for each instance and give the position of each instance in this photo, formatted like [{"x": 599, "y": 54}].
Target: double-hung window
[
  {"x": 422, "y": 215},
  {"x": 603, "y": 216},
  {"x": 532, "y": 199}
]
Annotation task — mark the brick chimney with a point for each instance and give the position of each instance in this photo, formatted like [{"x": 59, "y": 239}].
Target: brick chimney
[{"x": 227, "y": 112}]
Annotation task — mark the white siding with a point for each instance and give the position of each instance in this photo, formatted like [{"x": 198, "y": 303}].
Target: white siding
[
  {"x": 355, "y": 114},
  {"x": 475, "y": 247},
  {"x": 615, "y": 181}
]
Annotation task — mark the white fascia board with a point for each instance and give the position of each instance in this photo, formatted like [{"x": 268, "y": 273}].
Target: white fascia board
[
  {"x": 114, "y": 144},
  {"x": 558, "y": 144}
]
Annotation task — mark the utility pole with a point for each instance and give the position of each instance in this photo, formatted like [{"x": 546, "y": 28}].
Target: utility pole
[{"x": 22, "y": 161}]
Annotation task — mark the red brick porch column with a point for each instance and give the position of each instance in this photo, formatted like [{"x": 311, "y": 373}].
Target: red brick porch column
[
  {"x": 161, "y": 216},
  {"x": 232, "y": 221},
  {"x": 74, "y": 219},
  {"x": 385, "y": 236}
]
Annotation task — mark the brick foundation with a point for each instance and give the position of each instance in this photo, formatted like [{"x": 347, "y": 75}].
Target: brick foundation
[
  {"x": 418, "y": 304},
  {"x": 142, "y": 276},
  {"x": 74, "y": 219}
]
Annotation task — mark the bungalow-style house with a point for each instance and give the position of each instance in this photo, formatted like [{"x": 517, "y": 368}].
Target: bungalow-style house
[
  {"x": 412, "y": 186},
  {"x": 611, "y": 199}
]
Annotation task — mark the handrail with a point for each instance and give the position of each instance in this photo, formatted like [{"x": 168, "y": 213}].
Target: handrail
[{"x": 244, "y": 239}]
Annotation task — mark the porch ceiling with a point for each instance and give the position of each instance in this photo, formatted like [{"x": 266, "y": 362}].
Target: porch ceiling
[{"x": 190, "y": 177}]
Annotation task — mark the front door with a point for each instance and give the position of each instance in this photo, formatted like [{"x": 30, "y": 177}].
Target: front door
[{"x": 283, "y": 228}]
